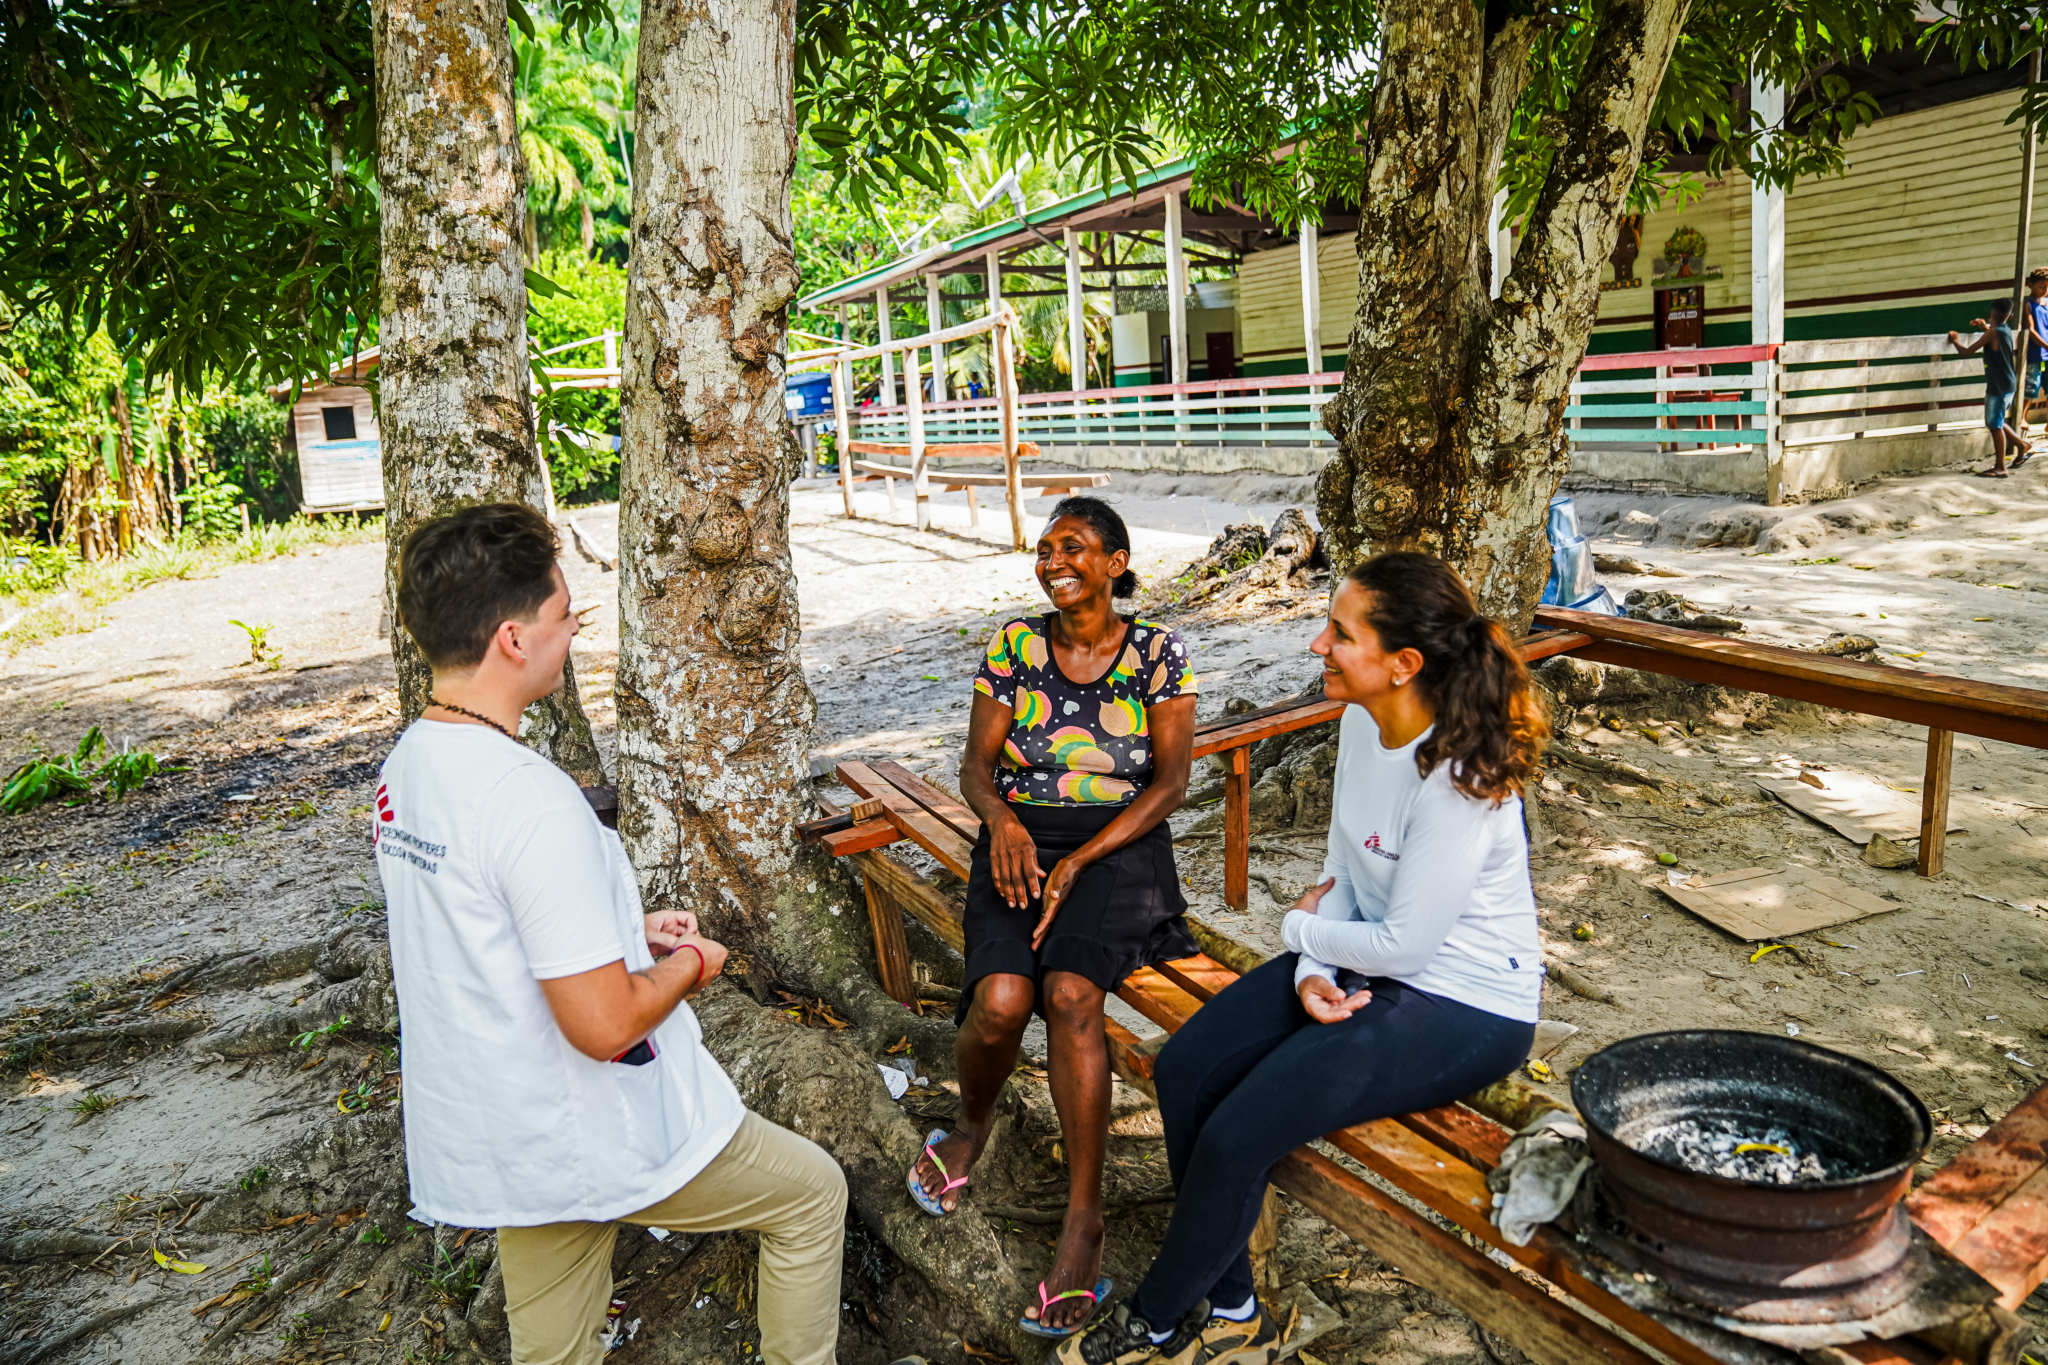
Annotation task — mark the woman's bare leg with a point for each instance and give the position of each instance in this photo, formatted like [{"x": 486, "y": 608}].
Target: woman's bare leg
[
  {"x": 1079, "y": 1070},
  {"x": 986, "y": 1052}
]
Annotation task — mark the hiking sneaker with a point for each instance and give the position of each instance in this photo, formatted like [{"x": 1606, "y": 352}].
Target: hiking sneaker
[
  {"x": 1222, "y": 1341},
  {"x": 1120, "y": 1337}
]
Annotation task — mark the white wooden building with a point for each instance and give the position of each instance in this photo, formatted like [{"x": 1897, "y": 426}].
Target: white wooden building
[{"x": 333, "y": 430}]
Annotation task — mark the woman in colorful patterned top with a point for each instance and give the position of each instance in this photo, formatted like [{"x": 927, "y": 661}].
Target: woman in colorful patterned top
[{"x": 1073, "y": 884}]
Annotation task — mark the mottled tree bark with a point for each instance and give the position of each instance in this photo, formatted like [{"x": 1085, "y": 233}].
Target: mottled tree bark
[
  {"x": 714, "y": 714},
  {"x": 454, "y": 406},
  {"x": 1450, "y": 423}
]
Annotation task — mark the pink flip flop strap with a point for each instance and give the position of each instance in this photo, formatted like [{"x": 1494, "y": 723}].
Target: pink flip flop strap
[
  {"x": 1045, "y": 1301},
  {"x": 950, "y": 1184}
]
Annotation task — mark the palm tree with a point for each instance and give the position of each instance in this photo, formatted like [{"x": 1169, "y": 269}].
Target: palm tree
[{"x": 573, "y": 112}]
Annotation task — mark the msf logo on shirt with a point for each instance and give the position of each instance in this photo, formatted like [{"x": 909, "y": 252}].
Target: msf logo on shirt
[
  {"x": 385, "y": 813},
  {"x": 1372, "y": 845}
]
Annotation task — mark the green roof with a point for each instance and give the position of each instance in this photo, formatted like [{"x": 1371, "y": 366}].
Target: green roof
[{"x": 1052, "y": 215}]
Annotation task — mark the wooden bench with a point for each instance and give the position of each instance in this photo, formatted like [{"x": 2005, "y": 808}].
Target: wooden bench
[
  {"x": 1990, "y": 1206},
  {"x": 1947, "y": 706},
  {"x": 1026, "y": 484}
]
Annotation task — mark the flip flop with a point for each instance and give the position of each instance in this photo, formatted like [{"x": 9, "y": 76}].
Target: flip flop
[
  {"x": 923, "y": 1200},
  {"x": 1036, "y": 1326},
  {"x": 1991, "y": 473}
]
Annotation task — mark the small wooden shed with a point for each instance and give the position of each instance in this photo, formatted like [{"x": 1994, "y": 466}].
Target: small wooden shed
[{"x": 333, "y": 428}]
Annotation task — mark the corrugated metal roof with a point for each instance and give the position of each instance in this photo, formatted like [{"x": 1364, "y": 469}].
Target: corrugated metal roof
[{"x": 1004, "y": 236}]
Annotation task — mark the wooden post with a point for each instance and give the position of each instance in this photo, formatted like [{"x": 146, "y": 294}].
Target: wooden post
[
  {"x": 1177, "y": 310},
  {"x": 1941, "y": 746},
  {"x": 1237, "y": 831},
  {"x": 842, "y": 419},
  {"x": 2028, "y": 142},
  {"x": 887, "y": 397},
  {"x": 1077, "y": 318},
  {"x": 1311, "y": 304},
  {"x": 1767, "y": 295},
  {"x": 1006, "y": 416},
  {"x": 920, "y": 482},
  {"x": 935, "y": 320},
  {"x": 892, "y": 950}
]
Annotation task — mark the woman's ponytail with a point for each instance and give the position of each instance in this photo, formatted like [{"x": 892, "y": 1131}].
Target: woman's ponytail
[{"x": 1489, "y": 726}]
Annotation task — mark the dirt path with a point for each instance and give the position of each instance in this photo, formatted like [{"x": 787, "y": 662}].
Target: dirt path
[{"x": 260, "y": 843}]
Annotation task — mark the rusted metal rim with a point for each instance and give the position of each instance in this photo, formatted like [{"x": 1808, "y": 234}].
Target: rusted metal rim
[{"x": 1598, "y": 1083}]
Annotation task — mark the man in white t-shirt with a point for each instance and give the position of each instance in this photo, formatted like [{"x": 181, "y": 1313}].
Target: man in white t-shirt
[{"x": 555, "y": 1082}]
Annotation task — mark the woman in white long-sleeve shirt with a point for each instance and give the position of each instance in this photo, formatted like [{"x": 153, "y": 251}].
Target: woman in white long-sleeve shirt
[{"x": 1413, "y": 971}]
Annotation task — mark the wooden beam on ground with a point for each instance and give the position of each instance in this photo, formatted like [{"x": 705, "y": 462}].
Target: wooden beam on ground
[
  {"x": 1499, "y": 1300},
  {"x": 1941, "y": 748},
  {"x": 860, "y": 838},
  {"x": 918, "y": 825}
]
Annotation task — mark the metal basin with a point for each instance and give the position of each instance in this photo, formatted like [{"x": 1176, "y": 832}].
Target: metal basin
[{"x": 1841, "y": 1237}]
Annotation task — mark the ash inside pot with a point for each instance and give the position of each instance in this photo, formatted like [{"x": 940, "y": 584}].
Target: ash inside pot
[{"x": 1735, "y": 1150}]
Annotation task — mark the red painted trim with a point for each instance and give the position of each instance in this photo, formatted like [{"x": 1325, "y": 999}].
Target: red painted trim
[{"x": 1650, "y": 360}]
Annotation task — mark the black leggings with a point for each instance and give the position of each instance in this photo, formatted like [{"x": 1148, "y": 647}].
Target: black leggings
[{"x": 1251, "y": 1077}]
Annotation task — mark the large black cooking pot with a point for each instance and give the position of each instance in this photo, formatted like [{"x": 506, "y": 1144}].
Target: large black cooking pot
[{"x": 1824, "y": 1237}]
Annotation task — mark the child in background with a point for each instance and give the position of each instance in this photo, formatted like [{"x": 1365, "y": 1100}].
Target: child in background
[{"x": 2000, "y": 379}]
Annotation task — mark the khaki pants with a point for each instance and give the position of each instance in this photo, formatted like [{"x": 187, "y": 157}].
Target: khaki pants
[{"x": 558, "y": 1277}]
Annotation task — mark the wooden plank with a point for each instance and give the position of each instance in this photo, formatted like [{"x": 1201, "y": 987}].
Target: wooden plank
[
  {"x": 1720, "y": 436},
  {"x": 1880, "y": 400},
  {"x": 1252, "y": 726},
  {"x": 1934, "y": 789},
  {"x": 1730, "y": 408},
  {"x": 1501, "y": 1301},
  {"x": 860, "y": 838},
  {"x": 892, "y": 952},
  {"x": 1157, "y": 998},
  {"x": 1200, "y": 976},
  {"x": 918, "y": 825},
  {"x": 963, "y": 821},
  {"x": 946, "y": 450},
  {"x": 1470, "y": 1137},
  {"x": 1237, "y": 831},
  {"x": 2017, "y": 715},
  {"x": 1650, "y": 360},
  {"x": 2010, "y": 1247},
  {"x": 1041, "y": 481},
  {"x": 1963, "y": 1193},
  {"x": 914, "y": 895},
  {"x": 1543, "y": 644},
  {"x": 1800, "y": 381}
]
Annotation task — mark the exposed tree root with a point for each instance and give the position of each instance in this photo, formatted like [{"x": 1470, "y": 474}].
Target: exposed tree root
[{"x": 30, "y": 1352}]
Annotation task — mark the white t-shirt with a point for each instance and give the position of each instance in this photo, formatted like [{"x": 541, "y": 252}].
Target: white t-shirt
[
  {"x": 497, "y": 876},
  {"x": 1432, "y": 886}
]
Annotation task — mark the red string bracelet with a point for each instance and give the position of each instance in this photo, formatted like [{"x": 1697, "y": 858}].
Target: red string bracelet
[{"x": 701, "y": 965}]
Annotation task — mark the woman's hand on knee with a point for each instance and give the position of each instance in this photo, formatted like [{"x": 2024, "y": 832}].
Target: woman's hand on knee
[
  {"x": 1057, "y": 883},
  {"x": 1013, "y": 859},
  {"x": 1328, "y": 1005}
]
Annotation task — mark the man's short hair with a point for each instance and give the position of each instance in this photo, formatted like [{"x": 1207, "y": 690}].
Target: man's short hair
[
  {"x": 463, "y": 575},
  {"x": 2037, "y": 274},
  {"x": 2001, "y": 307}
]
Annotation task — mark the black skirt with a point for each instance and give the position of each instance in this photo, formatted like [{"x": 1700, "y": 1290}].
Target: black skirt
[{"x": 1122, "y": 912}]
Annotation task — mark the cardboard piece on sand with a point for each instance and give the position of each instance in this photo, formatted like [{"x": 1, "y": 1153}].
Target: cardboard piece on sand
[
  {"x": 1852, "y": 805},
  {"x": 1755, "y": 903}
]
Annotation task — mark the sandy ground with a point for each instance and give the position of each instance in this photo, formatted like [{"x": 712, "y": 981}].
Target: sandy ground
[{"x": 1949, "y": 990}]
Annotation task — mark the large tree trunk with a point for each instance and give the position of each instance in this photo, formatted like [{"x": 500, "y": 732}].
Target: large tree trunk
[
  {"x": 714, "y": 714},
  {"x": 1450, "y": 424},
  {"x": 454, "y": 407}
]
